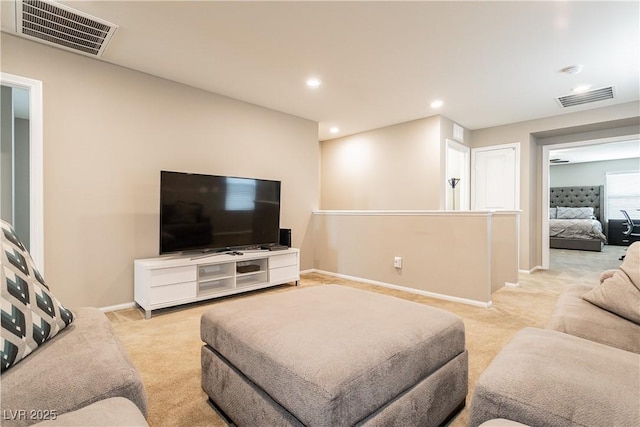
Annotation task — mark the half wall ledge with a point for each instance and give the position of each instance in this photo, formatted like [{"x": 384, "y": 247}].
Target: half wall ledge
[{"x": 462, "y": 256}]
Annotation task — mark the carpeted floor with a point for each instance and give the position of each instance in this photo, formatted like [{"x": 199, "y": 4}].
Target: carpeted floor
[{"x": 166, "y": 348}]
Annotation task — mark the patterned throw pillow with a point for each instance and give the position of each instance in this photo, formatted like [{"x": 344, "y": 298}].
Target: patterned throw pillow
[
  {"x": 575, "y": 213},
  {"x": 552, "y": 213},
  {"x": 30, "y": 313}
]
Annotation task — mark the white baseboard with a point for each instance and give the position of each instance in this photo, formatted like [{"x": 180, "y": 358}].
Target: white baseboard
[
  {"x": 406, "y": 289},
  {"x": 533, "y": 270},
  {"x": 512, "y": 285},
  {"x": 117, "y": 307}
]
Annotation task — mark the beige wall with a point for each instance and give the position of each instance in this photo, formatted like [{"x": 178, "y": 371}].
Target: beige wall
[
  {"x": 589, "y": 173},
  {"x": 600, "y": 122},
  {"x": 505, "y": 227},
  {"x": 463, "y": 255},
  {"x": 402, "y": 166},
  {"x": 395, "y": 167},
  {"x": 108, "y": 131}
]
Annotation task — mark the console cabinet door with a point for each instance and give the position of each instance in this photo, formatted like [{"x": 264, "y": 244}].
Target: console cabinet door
[{"x": 284, "y": 268}]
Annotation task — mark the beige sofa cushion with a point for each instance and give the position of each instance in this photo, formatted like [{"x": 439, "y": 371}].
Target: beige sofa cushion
[
  {"x": 573, "y": 315},
  {"x": 620, "y": 293}
]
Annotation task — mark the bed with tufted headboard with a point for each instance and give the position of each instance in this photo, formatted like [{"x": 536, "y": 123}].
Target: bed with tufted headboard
[{"x": 576, "y": 215}]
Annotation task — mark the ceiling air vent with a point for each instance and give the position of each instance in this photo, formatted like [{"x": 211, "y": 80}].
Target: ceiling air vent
[
  {"x": 586, "y": 97},
  {"x": 61, "y": 26}
]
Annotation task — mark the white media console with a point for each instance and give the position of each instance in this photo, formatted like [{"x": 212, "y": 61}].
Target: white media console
[{"x": 167, "y": 282}]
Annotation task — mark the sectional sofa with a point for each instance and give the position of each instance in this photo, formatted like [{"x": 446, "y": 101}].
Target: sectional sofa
[
  {"x": 60, "y": 367},
  {"x": 582, "y": 369}
]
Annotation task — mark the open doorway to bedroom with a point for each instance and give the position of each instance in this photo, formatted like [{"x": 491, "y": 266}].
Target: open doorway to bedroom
[{"x": 581, "y": 177}]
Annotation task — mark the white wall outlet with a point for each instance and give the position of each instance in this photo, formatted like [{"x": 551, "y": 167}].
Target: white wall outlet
[{"x": 397, "y": 262}]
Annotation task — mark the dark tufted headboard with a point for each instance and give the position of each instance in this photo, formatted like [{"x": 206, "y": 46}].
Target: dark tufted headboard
[{"x": 577, "y": 197}]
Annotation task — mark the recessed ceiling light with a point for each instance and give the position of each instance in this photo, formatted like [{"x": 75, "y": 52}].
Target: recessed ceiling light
[
  {"x": 572, "y": 69},
  {"x": 334, "y": 130},
  {"x": 437, "y": 103},
  {"x": 581, "y": 88},
  {"x": 313, "y": 82}
]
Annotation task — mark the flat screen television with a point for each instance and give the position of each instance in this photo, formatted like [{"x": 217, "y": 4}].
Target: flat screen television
[{"x": 215, "y": 213}]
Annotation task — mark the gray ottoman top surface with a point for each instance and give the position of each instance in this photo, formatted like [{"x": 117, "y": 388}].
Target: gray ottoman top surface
[{"x": 331, "y": 354}]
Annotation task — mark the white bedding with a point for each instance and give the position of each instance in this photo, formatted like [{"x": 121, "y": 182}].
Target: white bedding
[{"x": 576, "y": 229}]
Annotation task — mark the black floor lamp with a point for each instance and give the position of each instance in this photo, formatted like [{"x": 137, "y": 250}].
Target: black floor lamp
[{"x": 453, "y": 182}]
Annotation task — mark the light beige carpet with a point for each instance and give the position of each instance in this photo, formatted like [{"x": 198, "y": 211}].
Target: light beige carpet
[{"x": 166, "y": 348}]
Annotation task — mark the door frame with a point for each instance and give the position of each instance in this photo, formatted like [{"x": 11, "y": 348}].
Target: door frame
[
  {"x": 516, "y": 146},
  {"x": 36, "y": 173}
]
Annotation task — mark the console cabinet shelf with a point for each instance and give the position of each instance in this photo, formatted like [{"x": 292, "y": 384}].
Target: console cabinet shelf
[{"x": 169, "y": 281}]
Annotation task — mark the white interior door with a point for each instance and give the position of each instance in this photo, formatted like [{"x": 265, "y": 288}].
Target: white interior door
[{"x": 496, "y": 177}]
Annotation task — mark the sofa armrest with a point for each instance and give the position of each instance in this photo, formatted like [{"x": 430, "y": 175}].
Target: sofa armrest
[
  {"x": 575, "y": 316},
  {"x": 84, "y": 363},
  {"x": 116, "y": 411},
  {"x": 546, "y": 378}
]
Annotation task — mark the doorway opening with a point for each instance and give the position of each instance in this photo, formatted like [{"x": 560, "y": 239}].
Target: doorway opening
[
  {"x": 556, "y": 151},
  {"x": 21, "y": 201},
  {"x": 457, "y": 186}
]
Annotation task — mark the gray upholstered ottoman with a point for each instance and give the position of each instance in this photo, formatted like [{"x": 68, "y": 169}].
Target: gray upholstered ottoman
[{"x": 333, "y": 356}]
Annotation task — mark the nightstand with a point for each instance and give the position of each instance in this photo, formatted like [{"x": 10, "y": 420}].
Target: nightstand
[{"x": 616, "y": 237}]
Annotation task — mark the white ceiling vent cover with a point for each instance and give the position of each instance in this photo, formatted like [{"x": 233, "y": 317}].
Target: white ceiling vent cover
[
  {"x": 595, "y": 95},
  {"x": 61, "y": 26}
]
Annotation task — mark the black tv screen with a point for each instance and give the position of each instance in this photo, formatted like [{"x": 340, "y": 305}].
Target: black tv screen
[{"x": 209, "y": 212}]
